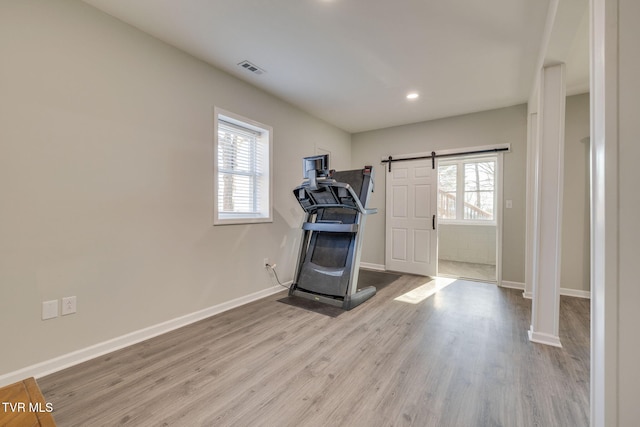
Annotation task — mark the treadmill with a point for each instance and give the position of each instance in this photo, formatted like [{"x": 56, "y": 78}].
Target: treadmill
[{"x": 335, "y": 204}]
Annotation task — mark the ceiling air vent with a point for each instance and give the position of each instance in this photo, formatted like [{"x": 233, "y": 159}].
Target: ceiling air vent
[{"x": 251, "y": 67}]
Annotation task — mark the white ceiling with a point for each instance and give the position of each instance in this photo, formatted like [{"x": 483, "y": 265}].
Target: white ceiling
[{"x": 352, "y": 62}]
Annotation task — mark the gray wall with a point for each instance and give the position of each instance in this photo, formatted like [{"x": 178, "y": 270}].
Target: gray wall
[
  {"x": 627, "y": 306},
  {"x": 106, "y": 180},
  {"x": 575, "y": 267},
  {"x": 506, "y": 125}
]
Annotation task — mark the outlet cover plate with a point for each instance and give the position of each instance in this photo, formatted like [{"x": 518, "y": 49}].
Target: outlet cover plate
[
  {"x": 49, "y": 309},
  {"x": 68, "y": 305}
]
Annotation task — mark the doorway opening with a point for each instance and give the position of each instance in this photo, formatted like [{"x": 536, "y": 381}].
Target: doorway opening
[
  {"x": 432, "y": 197},
  {"x": 468, "y": 200}
]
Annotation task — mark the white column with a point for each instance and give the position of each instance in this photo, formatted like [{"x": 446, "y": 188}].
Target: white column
[
  {"x": 615, "y": 202},
  {"x": 531, "y": 243},
  {"x": 545, "y": 308}
]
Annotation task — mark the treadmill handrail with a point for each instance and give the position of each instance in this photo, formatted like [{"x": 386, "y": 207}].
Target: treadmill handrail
[
  {"x": 358, "y": 205},
  {"x": 315, "y": 207},
  {"x": 331, "y": 227}
]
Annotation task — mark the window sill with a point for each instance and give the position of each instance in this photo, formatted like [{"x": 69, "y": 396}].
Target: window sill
[{"x": 235, "y": 220}]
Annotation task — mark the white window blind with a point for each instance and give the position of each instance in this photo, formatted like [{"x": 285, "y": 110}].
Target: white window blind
[
  {"x": 242, "y": 172},
  {"x": 239, "y": 169}
]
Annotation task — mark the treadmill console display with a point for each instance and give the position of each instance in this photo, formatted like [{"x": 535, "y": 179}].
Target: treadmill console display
[
  {"x": 315, "y": 167},
  {"x": 318, "y": 164}
]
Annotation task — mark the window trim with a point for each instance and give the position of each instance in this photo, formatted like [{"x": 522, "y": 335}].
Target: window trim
[
  {"x": 266, "y": 137},
  {"x": 460, "y": 188}
]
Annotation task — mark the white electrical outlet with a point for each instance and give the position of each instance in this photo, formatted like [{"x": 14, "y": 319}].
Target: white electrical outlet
[
  {"x": 49, "y": 309},
  {"x": 68, "y": 305},
  {"x": 509, "y": 204},
  {"x": 265, "y": 262}
]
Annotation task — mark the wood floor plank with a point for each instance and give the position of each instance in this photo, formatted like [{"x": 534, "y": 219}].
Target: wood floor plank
[{"x": 460, "y": 357}]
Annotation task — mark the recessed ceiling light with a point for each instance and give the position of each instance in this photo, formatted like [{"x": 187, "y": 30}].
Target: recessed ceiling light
[{"x": 412, "y": 95}]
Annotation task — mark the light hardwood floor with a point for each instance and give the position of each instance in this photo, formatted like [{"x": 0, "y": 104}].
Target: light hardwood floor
[
  {"x": 467, "y": 270},
  {"x": 459, "y": 358}
]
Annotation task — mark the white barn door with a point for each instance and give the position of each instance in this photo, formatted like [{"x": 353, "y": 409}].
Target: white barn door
[{"x": 411, "y": 238}]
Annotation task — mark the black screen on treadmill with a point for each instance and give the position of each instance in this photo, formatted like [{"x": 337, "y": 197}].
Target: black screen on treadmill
[
  {"x": 319, "y": 163},
  {"x": 324, "y": 197}
]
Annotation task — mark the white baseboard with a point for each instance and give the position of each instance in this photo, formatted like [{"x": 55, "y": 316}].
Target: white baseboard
[
  {"x": 575, "y": 293},
  {"x": 370, "y": 266},
  {"x": 542, "y": 338},
  {"x": 70, "y": 359},
  {"x": 563, "y": 291},
  {"x": 512, "y": 285}
]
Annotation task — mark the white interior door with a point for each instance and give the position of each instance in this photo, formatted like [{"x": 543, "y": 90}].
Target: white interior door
[{"x": 411, "y": 238}]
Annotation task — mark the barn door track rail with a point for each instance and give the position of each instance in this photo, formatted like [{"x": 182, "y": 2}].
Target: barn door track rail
[{"x": 435, "y": 156}]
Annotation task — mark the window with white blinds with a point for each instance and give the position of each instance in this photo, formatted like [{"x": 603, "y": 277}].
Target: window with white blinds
[{"x": 243, "y": 184}]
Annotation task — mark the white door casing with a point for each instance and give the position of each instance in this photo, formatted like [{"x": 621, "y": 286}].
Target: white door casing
[{"x": 411, "y": 238}]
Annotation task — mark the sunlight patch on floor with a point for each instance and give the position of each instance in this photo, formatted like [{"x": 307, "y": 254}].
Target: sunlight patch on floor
[{"x": 424, "y": 291}]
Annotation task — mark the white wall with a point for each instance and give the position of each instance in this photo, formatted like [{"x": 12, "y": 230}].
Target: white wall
[
  {"x": 506, "y": 125},
  {"x": 467, "y": 243},
  {"x": 106, "y": 180},
  {"x": 575, "y": 213}
]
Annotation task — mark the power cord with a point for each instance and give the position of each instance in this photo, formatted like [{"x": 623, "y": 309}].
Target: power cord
[{"x": 273, "y": 268}]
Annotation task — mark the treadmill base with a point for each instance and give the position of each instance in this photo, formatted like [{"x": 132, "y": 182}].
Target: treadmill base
[{"x": 346, "y": 303}]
